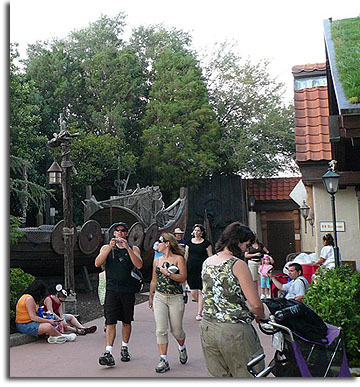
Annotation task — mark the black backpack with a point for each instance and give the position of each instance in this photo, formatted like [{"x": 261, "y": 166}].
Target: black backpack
[
  {"x": 137, "y": 275},
  {"x": 306, "y": 323}
]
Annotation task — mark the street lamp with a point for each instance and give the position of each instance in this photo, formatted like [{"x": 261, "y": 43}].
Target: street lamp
[
  {"x": 305, "y": 211},
  {"x": 331, "y": 183},
  {"x": 63, "y": 140},
  {"x": 54, "y": 173}
]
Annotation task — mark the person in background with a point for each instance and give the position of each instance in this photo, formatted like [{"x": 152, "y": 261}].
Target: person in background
[
  {"x": 297, "y": 287},
  {"x": 30, "y": 323},
  {"x": 169, "y": 272},
  {"x": 53, "y": 304},
  {"x": 179, "y": 235},
  {"x": 119, "y": 259},
  {"x": 102, "y": 289},
  {"x": 264, "y": 268},
  {"x": 231, "y": 303},
  {"x": 327, "y": 256},
  {"x": 157, "y": 254},
  {"x": 197, "y": 250},
  {"x": 254, "y": 255}
]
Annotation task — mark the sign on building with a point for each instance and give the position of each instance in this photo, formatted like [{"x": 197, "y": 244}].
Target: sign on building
[{"x": 328, "y": 226}]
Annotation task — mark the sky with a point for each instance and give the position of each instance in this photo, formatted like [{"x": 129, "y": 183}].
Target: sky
[{"x": 286, "y": 32}]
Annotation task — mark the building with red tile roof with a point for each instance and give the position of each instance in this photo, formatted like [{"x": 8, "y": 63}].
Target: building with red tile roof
[
  {"x": 272, "y": 189},
  {"x": 311, "y": 113}
]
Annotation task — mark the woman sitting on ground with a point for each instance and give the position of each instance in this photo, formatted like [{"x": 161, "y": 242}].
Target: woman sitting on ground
[
  {"x": 28, "y": 321},
  {"x": 53, "y": 303}
]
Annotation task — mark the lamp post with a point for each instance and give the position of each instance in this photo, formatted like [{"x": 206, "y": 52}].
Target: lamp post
[
  {"x": 331, "y": 183},
  {"x": 63, "y": 140}
]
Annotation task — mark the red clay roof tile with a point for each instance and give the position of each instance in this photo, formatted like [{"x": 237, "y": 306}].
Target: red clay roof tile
[
  {"x": 311, "y": 118},
  {"x": 272, "y": 189},
  {"x": 308, "y": 68}
]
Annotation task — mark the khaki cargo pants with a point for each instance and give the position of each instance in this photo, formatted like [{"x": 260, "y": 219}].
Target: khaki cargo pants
[{"x": 228, "y": 348}]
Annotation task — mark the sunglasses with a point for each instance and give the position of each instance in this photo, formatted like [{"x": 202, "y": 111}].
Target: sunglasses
[
  {"x": 161, "y": 241},
  {"x": 121, "y": 229}
]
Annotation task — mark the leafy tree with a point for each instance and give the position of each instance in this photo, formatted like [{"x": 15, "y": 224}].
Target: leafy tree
[
  {"x": 257, "y": 129},
  {"x": 149, "y": 42},
  {"x": 181, "y": 135},
  {"x": 26, "y": 146}
]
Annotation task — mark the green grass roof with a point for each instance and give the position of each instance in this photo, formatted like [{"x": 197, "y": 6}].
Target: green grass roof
[{"x": 346, "y": 37}]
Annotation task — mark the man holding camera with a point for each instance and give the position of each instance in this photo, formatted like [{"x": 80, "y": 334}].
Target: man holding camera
[{"x": 119, "y": 258}]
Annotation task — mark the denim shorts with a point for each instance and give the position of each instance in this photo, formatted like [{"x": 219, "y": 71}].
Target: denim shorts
[
  {"x": 31, "y": 328},
  {"x": 265, "y": 282}
]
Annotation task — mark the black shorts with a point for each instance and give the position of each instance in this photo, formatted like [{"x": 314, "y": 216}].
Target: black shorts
[{"x": 119, "y": 307}]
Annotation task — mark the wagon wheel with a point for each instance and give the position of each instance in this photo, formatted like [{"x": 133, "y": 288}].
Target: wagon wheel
[
  {"x": 90, "y": 237},
  {"x": 57, "y": 238},
  {"x": 136, "y": 234},
  {"x": 151, "y": 236}
]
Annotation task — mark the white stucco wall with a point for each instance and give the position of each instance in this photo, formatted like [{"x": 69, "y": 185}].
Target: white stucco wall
[
  {"x": 308, "y": 238},
  {"x": 346, "y": 211}
]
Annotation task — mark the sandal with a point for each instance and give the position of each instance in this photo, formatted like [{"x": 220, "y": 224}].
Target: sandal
[
  {"x": 92, "y": 329},
  {"x": 80, "y": 331}
]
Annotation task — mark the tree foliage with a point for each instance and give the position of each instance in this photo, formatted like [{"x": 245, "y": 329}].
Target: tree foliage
[
  {"x": 27, "y": 148},
  {"x": 148, "y": 107},
  {"x": 181, "y": 135},
  {"x": 257, "y": 128}
]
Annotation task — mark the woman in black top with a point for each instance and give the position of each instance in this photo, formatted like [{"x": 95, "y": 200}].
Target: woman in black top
[
  {"x": 197, "y": 250},
  {"x": 253, "y": 255}
]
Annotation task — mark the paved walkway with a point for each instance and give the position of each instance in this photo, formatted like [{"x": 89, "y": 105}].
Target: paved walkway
[{"x": 80, "y": 358}]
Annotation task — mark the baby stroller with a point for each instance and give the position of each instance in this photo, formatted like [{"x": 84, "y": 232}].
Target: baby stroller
[{"x": 304, "y": 345}]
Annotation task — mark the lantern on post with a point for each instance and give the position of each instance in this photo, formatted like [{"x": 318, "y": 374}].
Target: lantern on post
[
  {"x": 305, "y": 211},
  {"x": 54, "y": 173}
]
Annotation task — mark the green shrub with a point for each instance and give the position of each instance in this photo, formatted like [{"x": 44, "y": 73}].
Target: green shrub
[
  {"x": 335, "y": 296},
  {"x": 19, "y": 281}
]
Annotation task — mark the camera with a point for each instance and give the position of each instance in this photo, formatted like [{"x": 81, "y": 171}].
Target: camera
[{"x": 117, "y": 240}]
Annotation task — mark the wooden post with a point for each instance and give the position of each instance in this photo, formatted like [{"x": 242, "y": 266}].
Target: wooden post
[
  {"x": 63, "y": 140},
  {"x": 68, "y": 230}
]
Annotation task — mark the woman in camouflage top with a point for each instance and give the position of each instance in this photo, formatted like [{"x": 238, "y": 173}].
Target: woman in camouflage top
[
  {"x": 169, "y": 272},
  {"x": 228, "y": 338}
]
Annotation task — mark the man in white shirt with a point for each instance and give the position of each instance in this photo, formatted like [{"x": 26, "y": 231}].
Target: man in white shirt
[{"x": 297, "y": 287}]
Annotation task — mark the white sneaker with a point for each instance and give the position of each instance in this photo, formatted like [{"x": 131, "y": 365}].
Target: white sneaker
[
  {"x": 262, "y": 296},
  {"x": 70, "y": 336},
  {"x": 56, "y": 339},
  {"x": 268, "y": 296}
]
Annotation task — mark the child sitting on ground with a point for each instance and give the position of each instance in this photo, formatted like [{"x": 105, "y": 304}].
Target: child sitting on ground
[{"x": 264, "y": 268}]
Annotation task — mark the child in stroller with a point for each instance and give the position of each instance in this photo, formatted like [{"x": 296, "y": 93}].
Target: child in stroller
[{"x": 304, "y": 346}]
